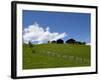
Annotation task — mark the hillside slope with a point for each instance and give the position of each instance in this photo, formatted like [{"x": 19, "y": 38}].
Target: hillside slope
[{"x": 55, "y": 55}]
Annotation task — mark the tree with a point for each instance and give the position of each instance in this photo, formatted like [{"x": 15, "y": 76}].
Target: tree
[
  {"x": 48, "y": 41},
  {"x": 78, "y": 42},
  {"x": 53, "y": 41},
  {"x": 71, "y": 41},
  {"x": 30, "y": 44},
  {"x": 83, "y": 43},
  {"x": 60, "y": 41}
]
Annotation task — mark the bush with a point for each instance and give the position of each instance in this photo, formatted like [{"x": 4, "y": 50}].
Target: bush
[
  {"x": 71, "y": 41},
  {"x": 30, "y": 44},
  {"x": 60, "y": 41},
  {"x": 53, "y": 41}
]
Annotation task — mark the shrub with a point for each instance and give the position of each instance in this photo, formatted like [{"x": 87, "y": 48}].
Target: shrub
[
  {"x": 30, "y": 44},
  {"x": 60, "y": 41}
]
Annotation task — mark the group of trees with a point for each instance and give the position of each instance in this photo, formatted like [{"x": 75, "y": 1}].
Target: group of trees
[
  {"x": 70, "y": 41},
  {"x": 60, "y": 41}
]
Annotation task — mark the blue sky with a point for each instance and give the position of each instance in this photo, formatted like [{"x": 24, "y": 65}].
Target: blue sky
[{"x": 76, "y": 25}]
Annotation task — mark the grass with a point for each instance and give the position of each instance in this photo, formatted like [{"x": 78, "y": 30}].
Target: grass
[{"x": 55, "y": 55}]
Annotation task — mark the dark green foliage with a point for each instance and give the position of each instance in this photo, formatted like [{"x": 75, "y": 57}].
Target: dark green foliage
[
  {"x": 71, "y": 41},
  {"x": 60, "y": 41},
  {"x": 31, "y": 47},
  {"x": 48, "y": 41},
  {"x": 30, "y": 44},
  {"x": 83, "y": 43},
  {"x": 80, "y": 43},
  {"x": 53, "y": 41}
]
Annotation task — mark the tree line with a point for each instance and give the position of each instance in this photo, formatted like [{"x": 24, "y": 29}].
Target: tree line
[
  {"x": 69, "y": 41},
  {"x": 59, "y": 41}
]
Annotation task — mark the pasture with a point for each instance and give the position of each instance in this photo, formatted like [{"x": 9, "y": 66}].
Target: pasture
[{"x": 55, "y": 56}]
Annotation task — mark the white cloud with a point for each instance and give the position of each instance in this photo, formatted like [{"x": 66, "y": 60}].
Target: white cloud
[{"x": 36, "y": 34}]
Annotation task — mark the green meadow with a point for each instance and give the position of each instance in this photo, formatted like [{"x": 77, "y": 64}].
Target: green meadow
[{"x": 55, "y": 56}]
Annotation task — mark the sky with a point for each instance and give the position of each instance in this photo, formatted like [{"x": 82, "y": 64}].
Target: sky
[{"x": 42, "y": 26}]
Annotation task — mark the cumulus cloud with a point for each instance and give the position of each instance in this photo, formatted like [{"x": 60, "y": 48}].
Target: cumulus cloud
[{"x": 37, "y": 34}]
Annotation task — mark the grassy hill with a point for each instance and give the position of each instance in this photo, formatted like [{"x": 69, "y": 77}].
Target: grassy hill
[{"x": 55, "y": 55}]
